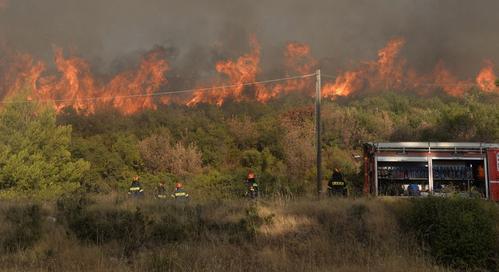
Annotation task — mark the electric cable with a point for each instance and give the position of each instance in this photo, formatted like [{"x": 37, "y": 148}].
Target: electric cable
[
  {"x": 165, "y": 92},
  {"x": 422, "y": 84}
]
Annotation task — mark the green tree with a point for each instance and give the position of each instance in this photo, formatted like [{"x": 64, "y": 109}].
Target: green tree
[{"x": 35, "y": 159}]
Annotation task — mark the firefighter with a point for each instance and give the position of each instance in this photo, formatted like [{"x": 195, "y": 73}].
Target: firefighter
[
  {"x": 251, "y": 184},
  {"x": 180, "y": 193},
  {"x": 336, "y": 185},
  {"x": 135, "y": 189},
  {"x": 161, "y": 190}
]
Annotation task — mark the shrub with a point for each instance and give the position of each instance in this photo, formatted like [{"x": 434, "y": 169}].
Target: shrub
[
  {"x": 25, "y": 227},
  {"x": 167, "y": 229},
  {"x": 251, "y": 159},
  {"x": 35, "y": 158},
  {"x": 160, "y": 156},
  {"x": 155, "y": 150},
  {"x": 457, "y": 232},
  {"x": 217, "y": 185},
  {"x": 104, "y": 225}
]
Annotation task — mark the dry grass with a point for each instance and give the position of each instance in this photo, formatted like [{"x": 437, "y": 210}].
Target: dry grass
[{"x": 299, "y": 235}]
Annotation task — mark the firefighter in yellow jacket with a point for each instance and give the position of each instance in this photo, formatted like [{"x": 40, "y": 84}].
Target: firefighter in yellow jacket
[
  {"x": 161, "y": 191},
  {"x": 180, "y": 193},
  {"x": 336, "y": 185},
  {"x": 136, "y": 189}
]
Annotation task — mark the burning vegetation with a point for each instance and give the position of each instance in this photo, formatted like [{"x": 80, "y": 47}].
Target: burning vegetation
[{"x": 73, "y": 84}]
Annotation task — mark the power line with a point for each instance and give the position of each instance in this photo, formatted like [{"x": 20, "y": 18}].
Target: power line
[
  {"x": 422, "y": 84},
  {"x": 165, "y": 92}
]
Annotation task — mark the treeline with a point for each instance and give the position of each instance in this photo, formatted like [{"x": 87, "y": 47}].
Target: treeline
[{"x": 210, "y": 148}]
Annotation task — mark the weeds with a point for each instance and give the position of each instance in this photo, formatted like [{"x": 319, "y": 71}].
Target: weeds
[
  {"x": 279, "y": 235},
  {"x": 25, "y": 227}
]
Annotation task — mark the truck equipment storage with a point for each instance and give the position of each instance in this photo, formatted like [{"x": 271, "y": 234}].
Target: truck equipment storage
[{"x": 433, "y": 168}]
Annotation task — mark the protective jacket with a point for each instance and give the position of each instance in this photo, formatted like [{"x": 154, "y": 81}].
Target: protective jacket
[
  {"x": 180, "y": 194},
  {"x": 135, "y": 189},
  {"x": 162, "y": 192},
  {"x": 252, "y": 187},
  {"x": 336, "y": 184}
]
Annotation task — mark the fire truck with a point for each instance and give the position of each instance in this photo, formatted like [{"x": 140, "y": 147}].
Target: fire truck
[{"x": 432, "y": 168}]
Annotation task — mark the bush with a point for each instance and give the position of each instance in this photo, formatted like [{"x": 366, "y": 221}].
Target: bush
[
  {"x": 217, "y": 185},
  {"x": 167, "y": 229},
  {"x": 167, "y": 222},
  {"x": 251, "y": 159},
  {"x": 104, "y": 225},
  {"x": 457, "y": 232},
  {"x": 35, "y": 158},
  {"x": 24, "y": 227},
  {"x": 240, "y": 231}
]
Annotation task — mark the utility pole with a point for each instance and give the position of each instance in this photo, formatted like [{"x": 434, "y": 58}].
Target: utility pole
[{"x": 318, "y": 130}]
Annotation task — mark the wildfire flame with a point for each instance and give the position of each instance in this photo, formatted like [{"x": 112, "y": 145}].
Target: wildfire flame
[
  {"x": 390, "y": 68},
  {"x": 384, "y": 73},
  {"x": 486, "y": 78},
  {"x": 299, "y": 59},
  {"x": 243, "y": 70},
  {"x": 390, "y": 71},
  {"x": 447, "y": 81},
  {"x": 74, "y": 85}
]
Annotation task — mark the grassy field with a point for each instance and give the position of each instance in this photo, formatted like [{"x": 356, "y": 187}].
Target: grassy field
[{"x": 113, "y": 233}]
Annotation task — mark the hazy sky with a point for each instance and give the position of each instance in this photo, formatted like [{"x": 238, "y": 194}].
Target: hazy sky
[{"x": 462, "y": 33}]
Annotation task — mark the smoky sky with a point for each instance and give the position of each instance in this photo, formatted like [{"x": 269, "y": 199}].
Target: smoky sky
[{"x": 340, "y": 32}]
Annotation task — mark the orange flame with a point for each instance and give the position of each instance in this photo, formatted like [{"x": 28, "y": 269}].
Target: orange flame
[
  {"x": 447, "y": 81},
  {"x": 344, "y": 84},
  {"x": 298, "y": 60},
  {"x": 20, "y": 70},
  {"x": 75, "y": 86},
  {"x": 387, "y": 72},
  {"x": 390, "y": 68},
  {"x": 486, "y": 78},
  {"x": 390, "y": 72},
  {"x": 241, "y": 71},
  {"x": 138, "y": 85},
  {"x": 245, "y": 69}
]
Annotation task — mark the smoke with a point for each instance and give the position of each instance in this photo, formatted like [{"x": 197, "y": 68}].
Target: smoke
[{"x": 197, "y": 33}]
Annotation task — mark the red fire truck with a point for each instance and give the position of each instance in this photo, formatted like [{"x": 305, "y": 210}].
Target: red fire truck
[{"x": 431, "y": 168}]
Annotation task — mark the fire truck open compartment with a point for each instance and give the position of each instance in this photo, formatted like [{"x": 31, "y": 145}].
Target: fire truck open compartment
[
  {"x": 435, "y": 168},
  {"x": 395, "y": 177},
  {"x": 459, "y": 175}
]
